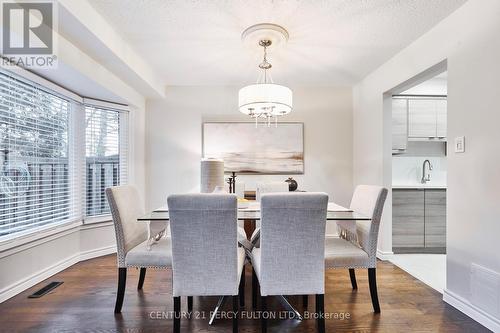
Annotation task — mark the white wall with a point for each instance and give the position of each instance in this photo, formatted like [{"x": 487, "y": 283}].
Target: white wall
[
  {"x": 174, "y": 139},
  {"x": 469, "y": 40},
  {"x": 435, "y": 86},
  {"x": 25, "y": 265}
]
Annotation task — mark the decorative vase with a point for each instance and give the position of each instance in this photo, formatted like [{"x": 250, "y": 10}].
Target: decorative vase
[
  {"x": 292, "y": 184},
  {"x": 212, "y": 174}
]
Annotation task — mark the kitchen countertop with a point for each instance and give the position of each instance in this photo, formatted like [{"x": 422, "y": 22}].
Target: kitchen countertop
[{"x": 420, "y": 186}]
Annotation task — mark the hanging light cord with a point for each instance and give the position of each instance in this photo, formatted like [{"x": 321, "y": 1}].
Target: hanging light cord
[
  {"x": 265, "y": 62},
  {"x": 265, "y": 65}
]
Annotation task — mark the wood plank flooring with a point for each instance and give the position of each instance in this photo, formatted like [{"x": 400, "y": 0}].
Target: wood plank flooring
[{"x": 85, "y": 303}]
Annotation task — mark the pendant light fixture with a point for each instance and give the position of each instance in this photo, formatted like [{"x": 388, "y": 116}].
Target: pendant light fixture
[{"x": 265, "y": 99}]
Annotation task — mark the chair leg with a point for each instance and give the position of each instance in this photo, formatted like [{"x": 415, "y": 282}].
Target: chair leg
[
  {"x": 190, "y": 304},
  {"x": 320, "y": 312},
  {"x": 263, "y": 309},
  {"x": 352, "y": 274},
  {"x": 235, "y": 313},
  {"x": 122, "y": 280},
  {"x": 142, "y": 275},
  {"x": 177, "y": 314},
  {"x": 372, "y": 279},
  {"x": 254, "y": 289},
  {"x": 242, "y": 288},
  {"x": 305, "y": 301}
]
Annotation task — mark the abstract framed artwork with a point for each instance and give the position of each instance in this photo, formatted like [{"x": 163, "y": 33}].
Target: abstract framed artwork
[{"x": 246, "y": 149}]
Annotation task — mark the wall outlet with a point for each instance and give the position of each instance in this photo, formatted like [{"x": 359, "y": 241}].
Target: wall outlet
[{"x": 460, "y": 144}]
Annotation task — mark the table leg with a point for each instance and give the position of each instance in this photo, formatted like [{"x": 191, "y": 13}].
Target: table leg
[
  {"x": 156, "y": 230},
  {"x": 218, "y": 307},
  {"x": 249, "y": 227},
  {"x": 281, "y": 299},
  {"x": 289, "y": 307},
  {"x": 149, "y": 243}
]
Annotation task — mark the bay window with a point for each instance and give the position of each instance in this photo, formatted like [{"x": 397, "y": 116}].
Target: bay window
[
  {"x": 105, "y": 163},
  {"x": 57, "y": 156}
]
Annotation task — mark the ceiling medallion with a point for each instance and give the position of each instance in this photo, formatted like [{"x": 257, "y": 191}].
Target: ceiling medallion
[{"x": 265, "y": 99}]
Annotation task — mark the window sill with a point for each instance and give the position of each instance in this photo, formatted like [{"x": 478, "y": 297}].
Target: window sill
[
  {"x": 97, "y": 219},
  {"x": 38, "y": 236},
  {"x": 48, "y": 233}
]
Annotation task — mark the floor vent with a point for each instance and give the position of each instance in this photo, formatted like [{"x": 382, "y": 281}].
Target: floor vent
[{"x": 51, "y": 286}]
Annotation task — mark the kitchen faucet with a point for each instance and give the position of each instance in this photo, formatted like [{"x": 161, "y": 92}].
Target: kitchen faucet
[{"x": 424, "y": 178}]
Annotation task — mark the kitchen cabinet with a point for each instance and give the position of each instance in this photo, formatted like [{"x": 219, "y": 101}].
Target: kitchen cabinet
[
  {"x": 435, "y": 218},
  {"x": 399, "y": 124},
  {"x": 419, "y": 220},
  {"x": 408, "y": 218},
  {"x": 421, "y": 118},
  {"x": 427, "y": 119}
]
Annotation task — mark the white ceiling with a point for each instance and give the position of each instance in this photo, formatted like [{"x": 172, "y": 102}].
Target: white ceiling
[{"x": 336, "y": 42}]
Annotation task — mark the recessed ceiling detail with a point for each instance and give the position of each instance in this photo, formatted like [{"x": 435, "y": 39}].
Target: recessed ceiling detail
[
  {"x": 332, "y": 42},
  {"x": 274, "y": 33}
]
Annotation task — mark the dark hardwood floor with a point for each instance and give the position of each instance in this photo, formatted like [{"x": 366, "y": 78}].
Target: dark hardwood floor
[{"x": 85, "y": 303}]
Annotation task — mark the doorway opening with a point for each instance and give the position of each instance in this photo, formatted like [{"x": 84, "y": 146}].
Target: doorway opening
[{"x": 419, "y": 174}]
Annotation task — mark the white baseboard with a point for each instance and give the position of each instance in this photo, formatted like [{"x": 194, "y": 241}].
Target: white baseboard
[
  {"x": 472, "y": 311},
  {"x": 86, "y": 255},
  {"x": 384, "y": 255},
  {"x": 30, "y": 281}
]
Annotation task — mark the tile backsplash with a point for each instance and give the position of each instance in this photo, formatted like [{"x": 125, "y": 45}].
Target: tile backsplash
[{"x": 407, "y": 170}]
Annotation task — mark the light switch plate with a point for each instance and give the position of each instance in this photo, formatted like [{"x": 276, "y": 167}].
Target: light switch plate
[{"x": 460, "y": 144}]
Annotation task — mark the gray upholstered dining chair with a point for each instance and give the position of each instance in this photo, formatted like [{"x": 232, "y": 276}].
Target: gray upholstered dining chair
[
  {"x": 265, "y": 188},
  {"x": 206, "y": 259},
  {"x": 360, "y": 250},
  {"x": 290, "y": 260},
  {"x": 131, "y": 239},
  {"x": 242, "y": 235}
]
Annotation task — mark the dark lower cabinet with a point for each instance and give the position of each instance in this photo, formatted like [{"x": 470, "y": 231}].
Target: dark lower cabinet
[{"x": 419, "y": 220}]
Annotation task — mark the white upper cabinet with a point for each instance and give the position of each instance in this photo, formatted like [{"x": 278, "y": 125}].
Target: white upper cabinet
[
  {"x": 427, "y": 119},
  {"x": 421, "y": 118},
  {"x": 399, "y": 124}
]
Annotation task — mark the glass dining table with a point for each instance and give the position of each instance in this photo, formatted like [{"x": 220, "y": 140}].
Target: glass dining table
[
  {"x": 335, "y": 212},
  {"x": 157, "y": 221}
]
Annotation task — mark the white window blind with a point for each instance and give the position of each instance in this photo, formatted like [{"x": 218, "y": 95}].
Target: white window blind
[
  {"x": 106, "y": 155},
  {"x": 37, "y": 176}
]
